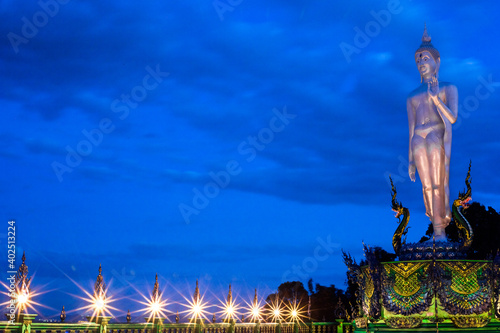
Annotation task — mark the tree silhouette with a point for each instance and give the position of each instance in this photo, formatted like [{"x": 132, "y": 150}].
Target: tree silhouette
[
  {"x": 323, "y": 300},
  {"x": 289, "y": 295},
  {"x": 486, "y": 227},
  {"x": 380, "y": 254}
]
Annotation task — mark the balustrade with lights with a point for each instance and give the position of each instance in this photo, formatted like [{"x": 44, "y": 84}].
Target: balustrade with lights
[{"x": 277, "y": 318}]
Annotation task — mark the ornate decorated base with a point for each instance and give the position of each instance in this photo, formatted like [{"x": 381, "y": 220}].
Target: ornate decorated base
[
  {"x": 452, "y": 295},
  {"x": 429, "y": 250},
  {"x": 433, "y": 287}
]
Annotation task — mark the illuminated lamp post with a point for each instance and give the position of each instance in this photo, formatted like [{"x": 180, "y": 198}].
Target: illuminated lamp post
[
  {"x": 156, "y": 305},
  {"x": 20, "y": 296},
  {"x": 99, "y": 302}
]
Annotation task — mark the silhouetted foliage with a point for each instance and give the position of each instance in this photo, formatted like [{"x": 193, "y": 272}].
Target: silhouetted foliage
[
  {"x": 323, "y": 300},
  {"x": 381, "y": 255},
  {"x": 486, "y": 227},
  {"x": 451, "y": 232},
  {"x": 310, "y": 286},
  {"x": 289, "y": 295},
  {"x": 351, "y": 302},
  {"x": 428, "y": 233}
]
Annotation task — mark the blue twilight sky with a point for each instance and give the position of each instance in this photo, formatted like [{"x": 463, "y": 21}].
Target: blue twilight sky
[{"x": 229, "y": 141}]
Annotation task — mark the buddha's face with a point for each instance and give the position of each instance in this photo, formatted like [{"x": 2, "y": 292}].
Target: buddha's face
[{"x": 426, "y": 64}]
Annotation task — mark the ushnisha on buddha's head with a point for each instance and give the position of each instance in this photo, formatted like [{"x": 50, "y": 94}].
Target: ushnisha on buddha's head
[{"x": 427, "y": 58}]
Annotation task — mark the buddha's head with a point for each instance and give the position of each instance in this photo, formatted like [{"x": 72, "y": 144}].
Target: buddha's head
[{"x": 427, "y": 57}]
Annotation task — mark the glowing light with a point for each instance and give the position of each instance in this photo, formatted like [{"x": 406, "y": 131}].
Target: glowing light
[
  {"x": 23, "y": 298},
  {"x": 196, "y": 310},
  {"x": 155, "y": 307},
  {"x": 229, "y": 310},
  {"x": 195, "y": 306},
  {"x": 295, "y": 312},
  {"x": 275, "y": 312},
  {"x": 255, "y": 309},
  {"x": 99, "y": 304}
]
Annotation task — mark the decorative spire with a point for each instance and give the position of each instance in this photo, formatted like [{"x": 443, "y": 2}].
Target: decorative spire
[
  {"x": 129, "y": 317},
  {"x": 229, "y": 296},
  {"x": 100, "y": 286},
  {"x": 22, "y": 273},
  {"x": 196, "y": 296},
  {"x": 255, "y": 299},
  {"x": 22, "y": 282},
  {"x": 156, "y": 290},
  {"x": 63, "y": 315}
]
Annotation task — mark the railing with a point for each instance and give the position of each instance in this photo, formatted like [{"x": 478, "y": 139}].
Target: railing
[{"x": 26, "y": 324}]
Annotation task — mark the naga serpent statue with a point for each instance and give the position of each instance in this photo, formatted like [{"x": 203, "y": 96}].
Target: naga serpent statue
[
  {"x": 402, "y": 229},
  {"x": 462, "y": 224}
]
